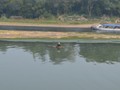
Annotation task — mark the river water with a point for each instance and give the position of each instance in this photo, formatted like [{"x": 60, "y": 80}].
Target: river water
[{"x": 40, "y": 66}]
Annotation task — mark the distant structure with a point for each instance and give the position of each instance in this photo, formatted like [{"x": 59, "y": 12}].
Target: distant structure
[{"x": 16, "y": 17}]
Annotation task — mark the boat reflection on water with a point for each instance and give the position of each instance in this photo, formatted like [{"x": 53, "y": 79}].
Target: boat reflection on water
[{"x": 100, "y": 53}]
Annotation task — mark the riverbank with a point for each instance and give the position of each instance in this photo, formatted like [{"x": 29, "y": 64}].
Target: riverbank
[
  {"x": 115, "y": 41},
  {"x": 58, "y": 34},
  {"x": 6, "y": 34}
]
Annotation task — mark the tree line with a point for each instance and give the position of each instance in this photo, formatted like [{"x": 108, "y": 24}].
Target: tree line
[{"x": 48, "y": 8}]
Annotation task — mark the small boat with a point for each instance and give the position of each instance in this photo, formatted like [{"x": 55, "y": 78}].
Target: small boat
[
  {"x": 106, "y": 28},
  {"x": 58, "y": 47}
]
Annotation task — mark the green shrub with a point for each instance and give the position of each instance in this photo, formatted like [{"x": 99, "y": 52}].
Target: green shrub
[{"x": 3, "y": 17}]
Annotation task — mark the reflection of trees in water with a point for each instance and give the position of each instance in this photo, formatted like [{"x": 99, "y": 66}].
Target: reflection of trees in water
[
  {"x": 37, "y": 50},
  {"x": 44, "y": 51},
  {"x": 64, "y": 54},
  {"x": 4, "y": 47},
  {"x": 101, "y": 53},
  {"x": 107, "y": 53},
  {"x": 33, "y": 48}
]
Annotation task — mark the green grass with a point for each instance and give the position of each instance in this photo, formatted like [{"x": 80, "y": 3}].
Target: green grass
[
  {"x": 56, "y": 21},
  {"x": 50, "y": 21}
]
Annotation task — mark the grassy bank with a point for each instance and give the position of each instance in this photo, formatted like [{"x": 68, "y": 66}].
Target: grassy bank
[
  {"x": 69, "y": 20},
  {"x": 56, "y": 21}
]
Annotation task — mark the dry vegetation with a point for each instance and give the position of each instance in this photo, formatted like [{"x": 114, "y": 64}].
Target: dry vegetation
[{"x": 55, "y": 35}]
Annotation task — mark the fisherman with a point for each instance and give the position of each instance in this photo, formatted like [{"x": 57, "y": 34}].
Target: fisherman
[{"x": 58, "y": 45}]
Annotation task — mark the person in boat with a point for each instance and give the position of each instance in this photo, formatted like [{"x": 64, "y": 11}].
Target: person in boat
[{"x": 58, "y": 45}]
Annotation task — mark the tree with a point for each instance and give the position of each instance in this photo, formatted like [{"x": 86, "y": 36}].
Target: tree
[
  {"x": 43, "y": 8},
  {"x": 90, "y": 7}
]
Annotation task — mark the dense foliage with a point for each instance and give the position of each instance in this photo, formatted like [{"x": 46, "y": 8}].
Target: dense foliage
[{"x": 48, "y": 8}]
